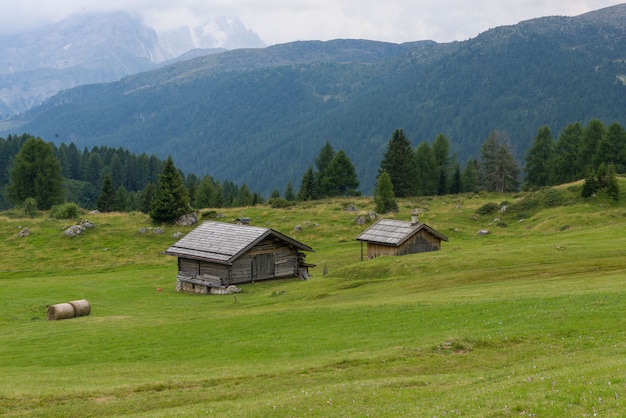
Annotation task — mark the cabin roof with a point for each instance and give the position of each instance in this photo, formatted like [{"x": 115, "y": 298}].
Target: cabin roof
[
  {"x": 223, "y": 242},
  {"x": 394, "y": 232}
]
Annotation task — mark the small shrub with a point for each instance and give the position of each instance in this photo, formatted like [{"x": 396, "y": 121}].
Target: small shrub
[
  {"x": 30, "y": 207},
  {"x": 277, "y": 203},
  {"x": 488, "y": 208},
  {"x": 65, "y": 211},
  {"x": 209, "y": 214},
  {"x": 553, "y": 198}
]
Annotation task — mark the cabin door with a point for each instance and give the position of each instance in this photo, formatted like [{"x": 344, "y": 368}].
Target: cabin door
[{"x": 262, "y": 266}]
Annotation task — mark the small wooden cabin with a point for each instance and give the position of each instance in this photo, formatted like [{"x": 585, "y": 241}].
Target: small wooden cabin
[
  {"x": 395, "y": 237},
  {"x": 219, "y": 254}
]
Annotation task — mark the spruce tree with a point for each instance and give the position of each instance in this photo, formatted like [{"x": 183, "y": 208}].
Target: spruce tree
[
  {"x": 341, "y": 176},
  {"x": 540, "y": 160},
  {"x": 307, "y": 186},
  {"x": 107, "y": 199},
  {"x": 399, "y": 163},
  {"x": 384, "y": 195},
  {"x": 171, "y": 199},
  {"x": 36, "y": 173},
  {"x": 499, "y": 170}
]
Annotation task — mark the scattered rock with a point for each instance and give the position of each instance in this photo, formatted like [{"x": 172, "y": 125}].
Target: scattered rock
[
  {"x": 24, "y": 233},
  {"x": 72, "y": 231},
  {"x": 350, "y": 208},
  {"x": 94, "y": 212},
  {"x": 158, "y": 230},
  {"x": 87, "y": 223},
  {"x": 187, "y": 220},
  {"x": 483, "y": 232},
  {"x": 177, "y": 234},
  {"x": 298, "y": 228},
  {"x": 142, "y": 230}
]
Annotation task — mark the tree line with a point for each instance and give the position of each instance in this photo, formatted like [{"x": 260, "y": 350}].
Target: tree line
[
  {"x": 111, "y": 179},
  {"x": 103, "y": 178}
]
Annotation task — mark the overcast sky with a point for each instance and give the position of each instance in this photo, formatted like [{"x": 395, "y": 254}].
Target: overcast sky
[{"x": 279, "y": 21}]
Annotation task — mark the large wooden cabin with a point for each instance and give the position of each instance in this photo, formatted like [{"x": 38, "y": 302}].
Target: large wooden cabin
[{"x": 219, "y": 254}]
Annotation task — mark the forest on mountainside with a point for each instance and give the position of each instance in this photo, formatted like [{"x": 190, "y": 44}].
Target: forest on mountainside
[{"x": 258, "y": 117}]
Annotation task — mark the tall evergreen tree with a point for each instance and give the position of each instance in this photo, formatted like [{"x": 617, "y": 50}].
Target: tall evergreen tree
[
  {"x": 499, "y": 170},
  {"x": 612, "y": 147},
  {"x": 567, "y": 165},
  {"x": 441, "y": 148},
  {"x": 540, "y": 160},
  {"x": 307, "y": 186},
  {"x": 341, "y": 176},
  {"x": 322, "y": 162},
  {"x": 107, "y": 199},
  {"x": 456, "y": 185},
  {"x": 171, "y": 199},
  {"x": 36, "y": 173},
  {"x": 470, "y": 178},
  {"x": 384, "y": 195},
  {"x": 592, "y": 135},
  {"x": 205, "y": 194},
  {"x": 428, "y": 175},
  {"x": 289, "y": 193},
  {"x": 399, "y": 163}
]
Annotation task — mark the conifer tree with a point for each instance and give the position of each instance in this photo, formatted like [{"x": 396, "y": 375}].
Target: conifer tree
[
  {"x": 399, "y": 163},
  {"x": 383, "y": 195},
  {"x": 341, "y": 176},
  {"x": 540, "y": 160},
  {"x": 428, "y": 179},
  {"x": 499, "y": 170},
  {"x": 290, "y": 195},
  {"x": 307, "y": 186},
  {"x": 36, "y": 173},
  {"x": 171, "y": 199},
  {"x": 107, "y": 199}
]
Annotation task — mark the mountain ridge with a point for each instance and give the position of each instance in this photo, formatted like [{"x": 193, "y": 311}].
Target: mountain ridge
[{"x": 261, "y": 115}]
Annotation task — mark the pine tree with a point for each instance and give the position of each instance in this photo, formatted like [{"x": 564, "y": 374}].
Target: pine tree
[
  {"x": 290, "y": 196},
  {"x": 566, "y": 151},
  {"x": 36, "y": 173},
  {"x": 456, "y": 185},
  {"x": 540, "y": 160},
  {"x": 341, "y": 176},
  {"x": 399, "y": 163},
  {"x": 171, "y": 199},
  {"x": 307, "y": 186},
  {"x": 383, "y": 195},
  {"x": 322, "y": 162},
  {"x": 441, "y": 148},
  {"x": 499, "y": 170},
  {"x": 470, "y": 177},
  {"x": 428, "y": 175},
  {"x": 592, "y": 135},
  {"x": 107, "y": 199}
]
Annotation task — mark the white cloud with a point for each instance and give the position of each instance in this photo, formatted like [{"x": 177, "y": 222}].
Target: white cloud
[{"x": 278, "y": 21}]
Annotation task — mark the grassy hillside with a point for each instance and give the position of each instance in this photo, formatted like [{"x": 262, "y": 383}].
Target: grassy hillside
[{"x": 525, "y": 321}]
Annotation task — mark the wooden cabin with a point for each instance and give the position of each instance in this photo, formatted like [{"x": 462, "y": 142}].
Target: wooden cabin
[
  {"x": 219, "y": 254},
  {"x": 395, "y": 237}
]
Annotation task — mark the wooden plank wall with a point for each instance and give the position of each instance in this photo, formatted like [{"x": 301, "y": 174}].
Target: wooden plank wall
[{"x": 419, "y": 243}]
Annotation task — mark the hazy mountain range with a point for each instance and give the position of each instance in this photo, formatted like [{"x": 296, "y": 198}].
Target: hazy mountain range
[
  {"x": 261, "y": 115},
  {"x": 96, "y": 48}
]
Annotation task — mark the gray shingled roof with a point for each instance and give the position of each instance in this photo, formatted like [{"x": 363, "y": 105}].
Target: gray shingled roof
[
  {"x": 223, "y": 242},
  {"x": 394, "y": 232}
]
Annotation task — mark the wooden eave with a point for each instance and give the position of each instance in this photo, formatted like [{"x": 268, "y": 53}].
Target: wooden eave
[{"x": 203, "y": 242}]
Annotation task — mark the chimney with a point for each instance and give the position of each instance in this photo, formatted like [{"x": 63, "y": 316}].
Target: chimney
[{"x": 414, "y": 217}]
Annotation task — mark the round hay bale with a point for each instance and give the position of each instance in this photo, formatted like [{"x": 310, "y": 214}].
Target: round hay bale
[
  {"x": 81, "y": 307},
  {"x": 60, "y": 311}
]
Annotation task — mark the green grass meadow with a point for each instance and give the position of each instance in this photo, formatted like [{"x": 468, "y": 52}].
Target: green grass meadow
[{"x": 526, "y": 321}]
